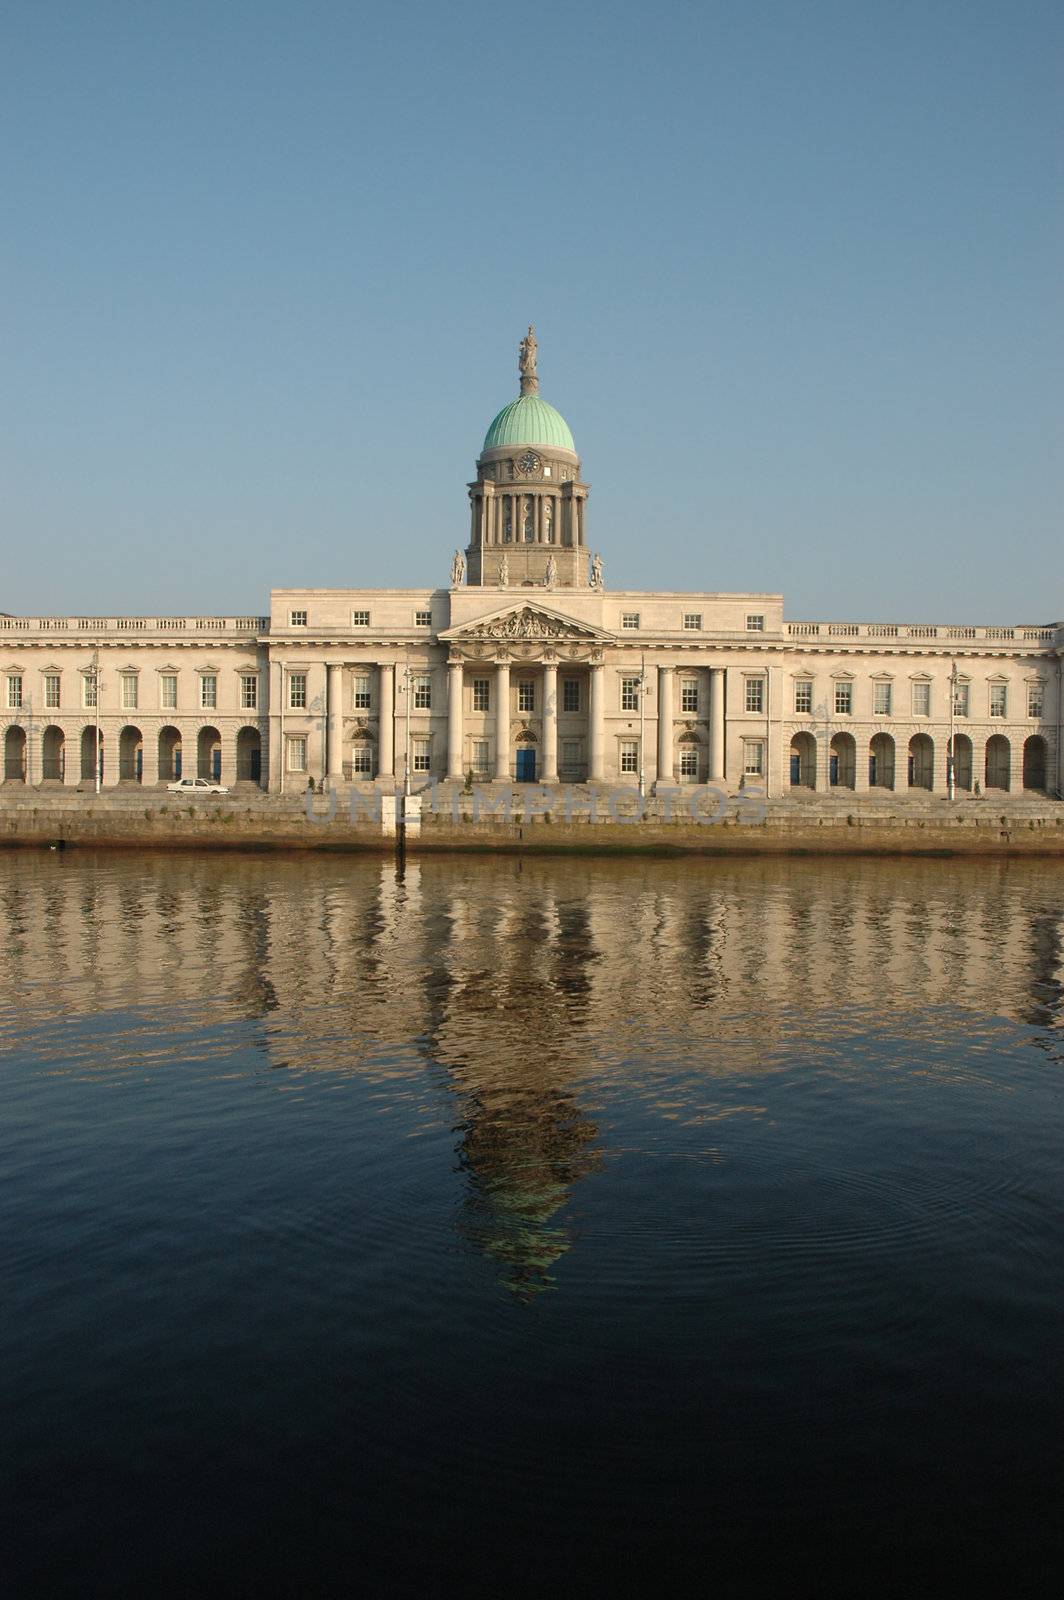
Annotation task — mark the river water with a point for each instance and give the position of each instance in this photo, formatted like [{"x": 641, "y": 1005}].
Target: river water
[{"x": 519, "y": 1224}]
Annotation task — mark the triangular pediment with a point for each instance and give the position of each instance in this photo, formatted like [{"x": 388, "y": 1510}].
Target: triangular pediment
[{"x": 527, "y": 620}]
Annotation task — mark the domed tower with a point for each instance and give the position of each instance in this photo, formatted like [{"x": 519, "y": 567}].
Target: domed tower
[{"x": 528, "y": 503}]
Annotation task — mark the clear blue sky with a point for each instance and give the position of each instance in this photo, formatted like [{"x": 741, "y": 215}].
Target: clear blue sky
[{"x": 794, "y": 267}]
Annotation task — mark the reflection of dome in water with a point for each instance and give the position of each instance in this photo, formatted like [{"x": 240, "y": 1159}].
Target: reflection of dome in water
[{"x": 522, "y": 1158}]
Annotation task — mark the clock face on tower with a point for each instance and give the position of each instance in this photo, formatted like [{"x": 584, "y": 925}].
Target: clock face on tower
[{"x": 529, "y": 465}]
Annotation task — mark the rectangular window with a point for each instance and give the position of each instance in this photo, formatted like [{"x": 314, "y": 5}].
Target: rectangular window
[
  {"x": 692, "y": 621},
  {"x": 51, "y": 689},
  {"x": 688, "y": 761},
  {"x": 629, "y": 619},
  {"x": 360, "y": 695},
  {"x": 421, "y": 755},
  {"x": 297, "y": 619},
  {"x": 422, "y": 697},
  {"x": 90, "y": 690},
  {"x": 755, "y": 694},
  {"x": 960, "y": 699},
  {"x": 14, "y": 692},
  {"x": 129, "y": 692},
  {"x": 882, "y": 699},
  {"x": 629, "y": 755},
  {"x": 803, "y": 696},
  {"x": 629, "y": 694},
  {"x": 297, "y": 755},
  {"x": 1035, "y": 700},
  {"x": 689, "y": 694},
  {"x": 168, "y": 691},
  {"x": 843, "y": 699},
  {"x": 423, "y": 619},
  {"x": 249, "y": 691},
  {"x": 481, "y": 694},
  {"x": 753, "y": 757},
  {"x": 526, "y": 697},
  {"x": 360, "y": 619},
  {"x": 755, "y": 622},
  {"x": 481, "y": 757},
  {"x": 570, "y": 694},
  {"x": 208, "y": 694},
  {"x": 921, "y": 699},
  {"x": 999, "y": 702},
  {"x": 297, "y": 691},
  {"x": 362, "y": 760}
]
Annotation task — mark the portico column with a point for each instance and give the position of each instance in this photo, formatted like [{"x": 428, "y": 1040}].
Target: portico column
[
  {"x": 550, "y": 722},
  {"x": 334, "y": 759},
  {"x": 716, "y": 724},
  {"x": 386, "y": 729},
  {"x": 665, "y": 724},
  {"x": 502, "y": 721},
  {"x": 454, "y": 719},
  {"x": 597, "y": 711}
]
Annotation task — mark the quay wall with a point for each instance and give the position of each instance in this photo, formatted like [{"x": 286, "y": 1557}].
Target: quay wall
[{"x": 988, "y": 827}]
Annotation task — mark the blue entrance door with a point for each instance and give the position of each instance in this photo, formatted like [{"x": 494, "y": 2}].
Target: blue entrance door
[
  {"x": 526, "y": 766},
  {"x": 216, "y": 765},
  {"x": 796, "y": 769},
  {"x": 834, "y": 769}
]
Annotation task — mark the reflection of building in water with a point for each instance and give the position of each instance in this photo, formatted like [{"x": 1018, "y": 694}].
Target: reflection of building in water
[
  {"x": 528, "y": 959},
  {"x": 515, "y": 985}
]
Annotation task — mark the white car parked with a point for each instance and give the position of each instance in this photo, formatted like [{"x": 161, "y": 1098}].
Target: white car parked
[{"x": 196, "y": 786}]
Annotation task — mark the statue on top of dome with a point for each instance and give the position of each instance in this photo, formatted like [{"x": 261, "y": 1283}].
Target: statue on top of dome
[{"x": 526, "y": 362}]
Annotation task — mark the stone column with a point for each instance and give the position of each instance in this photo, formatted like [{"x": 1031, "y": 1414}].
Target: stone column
[
  {"x": 386, "y": 729},
  {"x": 454, "y": 719},
  {"x": 502, "y": 721},
  {"x": 550, "y": 722},
  {"x": 665, "y": 677},
  {"x": 716, "y": 724},
  {"x": 597, "y": 723},
  {"x": 334, "y": 748}
]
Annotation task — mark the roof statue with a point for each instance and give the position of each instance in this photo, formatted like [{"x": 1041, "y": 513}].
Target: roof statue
[
  {"x": 596, "y": 572},
  {"x": 526, "y": 362},
  {"x": 457, "y": 569}
]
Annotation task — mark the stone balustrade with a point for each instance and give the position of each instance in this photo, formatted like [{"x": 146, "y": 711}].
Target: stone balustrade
[
  {"x": 924, "y": 632},
  {"x": 132, "y": 625}
]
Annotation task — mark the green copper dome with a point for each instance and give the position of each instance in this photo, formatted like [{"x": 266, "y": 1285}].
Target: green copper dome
[{"x": 529, "y": 420}]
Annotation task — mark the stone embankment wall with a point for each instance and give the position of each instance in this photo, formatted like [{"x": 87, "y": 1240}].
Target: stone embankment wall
[{"x": 994, "y": 826}]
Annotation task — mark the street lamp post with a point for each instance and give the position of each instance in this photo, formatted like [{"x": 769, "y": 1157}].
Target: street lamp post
[
  {"x": 96, "y": 698},
  {"x": 642, "y": 724},
  {"x": 951, "y": 759}
]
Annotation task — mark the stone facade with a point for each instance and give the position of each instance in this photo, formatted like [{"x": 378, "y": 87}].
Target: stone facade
[{"x": 527, "y": 668}]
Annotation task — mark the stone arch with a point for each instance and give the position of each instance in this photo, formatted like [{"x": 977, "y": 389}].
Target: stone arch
[
  {"x": 89, "y": 759},
  {"x": 209, "y": 754},
  {"x": 249, "y": 756},
  {"x": 169, "y": 754},
  {"x": 962, "y": 762},
  {"x": 15, "y": 754},
  {"x": 882, "y": 754},
  {"x": 53, "y": 754},
  {"x": 130, "y": 755},
  {"x": 1035, "y": 762},
  {"x": 998, "y": 762},
  {"x": 921, "y": 761},
  {"x": 843, "y": 761},
  {"x": 803, "y": 761}
]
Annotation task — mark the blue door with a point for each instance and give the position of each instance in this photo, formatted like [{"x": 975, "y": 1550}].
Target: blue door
[
  {"x": 796, "y": 769},
  {"x": 177, "y": 762},
  {"x": 834, "y": 769},
  {"x": 216, "y": 765},
  {"x": 526, "y": 766}
]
